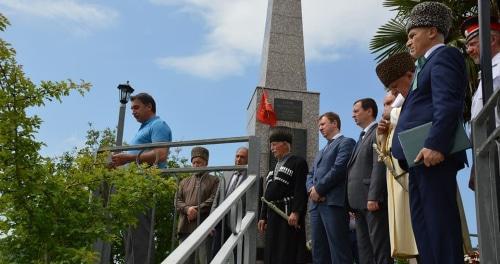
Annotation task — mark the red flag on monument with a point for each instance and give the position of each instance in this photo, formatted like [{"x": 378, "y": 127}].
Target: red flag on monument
[{"x": 265, "y": 112}]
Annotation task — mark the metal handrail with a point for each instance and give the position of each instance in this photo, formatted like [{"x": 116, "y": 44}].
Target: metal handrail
[
  {"x": 486, "y": 150},
  {"x": 486, "y": 173},
  {"x": 246, "y": 224},
  {"x": 204, "y": 169},
  {"x": 484, "y": 147},
  {"x": 213, "y": 141},
  {"x": 188, "y": 246},
  {"x": 482, "y": 116},
  {"x": 227, "y": 249}
]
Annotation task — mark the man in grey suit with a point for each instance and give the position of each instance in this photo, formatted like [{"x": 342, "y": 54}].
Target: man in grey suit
[
  {"x": 231, "y": 181},
  {"x": 367, "y": 188},
  {"x": 326, "y": 185}
]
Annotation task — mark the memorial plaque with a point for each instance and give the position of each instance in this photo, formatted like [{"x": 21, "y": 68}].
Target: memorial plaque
[
  {"x": 288, "y": 110},
  {"x": 299, "y": 146}
]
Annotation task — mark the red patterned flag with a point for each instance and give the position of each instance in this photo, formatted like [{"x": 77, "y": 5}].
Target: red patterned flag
[{"x": 265, "y": 112}]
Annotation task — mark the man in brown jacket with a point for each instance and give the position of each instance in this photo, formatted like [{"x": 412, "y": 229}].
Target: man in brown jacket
[{"x": 194, "y": 200}]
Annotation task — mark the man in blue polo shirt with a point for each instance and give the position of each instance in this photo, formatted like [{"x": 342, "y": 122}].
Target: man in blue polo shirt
[
  {"x": 152, "y": 129},
  {"x": 139, "y": 246}
]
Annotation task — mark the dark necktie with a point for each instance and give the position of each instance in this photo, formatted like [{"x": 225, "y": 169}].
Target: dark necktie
[
  {"x": 361, "y": 135},
  {"x": 233, "y": 183},
  {"x": 359, "y": 140}
]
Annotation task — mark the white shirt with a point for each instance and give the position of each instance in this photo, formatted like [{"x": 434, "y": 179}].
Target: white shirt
[
  {"x": 336, "y": 136},
  {"x": 331, "y": 140},
  {"x": 398, "y": 102},
  {"x": 432, "y": 49},
  {"x": 369, "y": 126},
  {"x": 477, "y": 99}
]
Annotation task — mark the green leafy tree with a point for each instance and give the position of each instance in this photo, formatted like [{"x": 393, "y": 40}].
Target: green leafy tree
[
  {"x": 53, "y": 210},
  {"x": 391, "y": 37},
  {"x": 23, "y": 172},
  {"x": 165, "y": 217}
]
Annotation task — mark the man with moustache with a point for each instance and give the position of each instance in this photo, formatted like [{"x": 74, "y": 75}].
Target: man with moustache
[
  {"x": 285, "y": 188},
  {"x": 470, "y": 30},
  {"x": 326, "y": 186},
  {"x": 193, "y": 202}
]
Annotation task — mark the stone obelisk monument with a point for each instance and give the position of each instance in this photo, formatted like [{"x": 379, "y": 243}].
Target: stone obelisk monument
[{"x": 283, "y": 76}]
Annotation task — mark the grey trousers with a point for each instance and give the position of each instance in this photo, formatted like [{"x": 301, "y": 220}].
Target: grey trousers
[{"x": 372, "y": 231}]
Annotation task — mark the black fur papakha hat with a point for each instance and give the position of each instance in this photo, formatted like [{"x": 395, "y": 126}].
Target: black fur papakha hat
[
  {"x": 281, "y": 133},
  {"x": 430, "y": 14},
  {"x": 199, "y": 152},
  {"x": 395, "y": 67}
]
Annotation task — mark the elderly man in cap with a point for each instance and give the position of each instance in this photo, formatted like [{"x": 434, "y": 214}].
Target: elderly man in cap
[
  {"x": 470, "y": 29},
  {"x": 437, "y": 95},
  {"x": 285, "y": 191},
  {"x": 193, "y": 202},
  {"x": 396, "y": 73}
]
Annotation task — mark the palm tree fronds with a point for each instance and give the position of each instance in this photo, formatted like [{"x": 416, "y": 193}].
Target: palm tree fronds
[
  {"x": 401, "y": 6},
  {"x": 389, "y": 39}
]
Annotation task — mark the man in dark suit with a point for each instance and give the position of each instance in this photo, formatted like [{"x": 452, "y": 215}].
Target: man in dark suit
[
  {"x": 367, "y": 188},
  {"x": 326, "y": 185},
  {"x": 437, "y": 96}
]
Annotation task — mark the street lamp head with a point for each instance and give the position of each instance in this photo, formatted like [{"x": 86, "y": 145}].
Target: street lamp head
[{"x": 125, "y": 91}]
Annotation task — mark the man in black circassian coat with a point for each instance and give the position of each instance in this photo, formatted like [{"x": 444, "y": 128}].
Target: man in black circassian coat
[{"x": 285, "y": 188}]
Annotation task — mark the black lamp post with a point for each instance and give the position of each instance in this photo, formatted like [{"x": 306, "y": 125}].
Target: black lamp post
[
  {"x": 125, "y": 91},
  {"x": 104, "y": 248}
]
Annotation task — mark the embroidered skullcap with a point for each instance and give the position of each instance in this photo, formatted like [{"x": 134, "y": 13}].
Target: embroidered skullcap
[
  {"x": 281, "y": 133},
  {"x": 199, "y": 152},
  {"x": 395, "y": 67},
  {"x": 430, "y": 14}
]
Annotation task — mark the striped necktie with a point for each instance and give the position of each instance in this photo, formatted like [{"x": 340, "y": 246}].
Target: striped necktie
[{"x": 233, "y": 183}]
